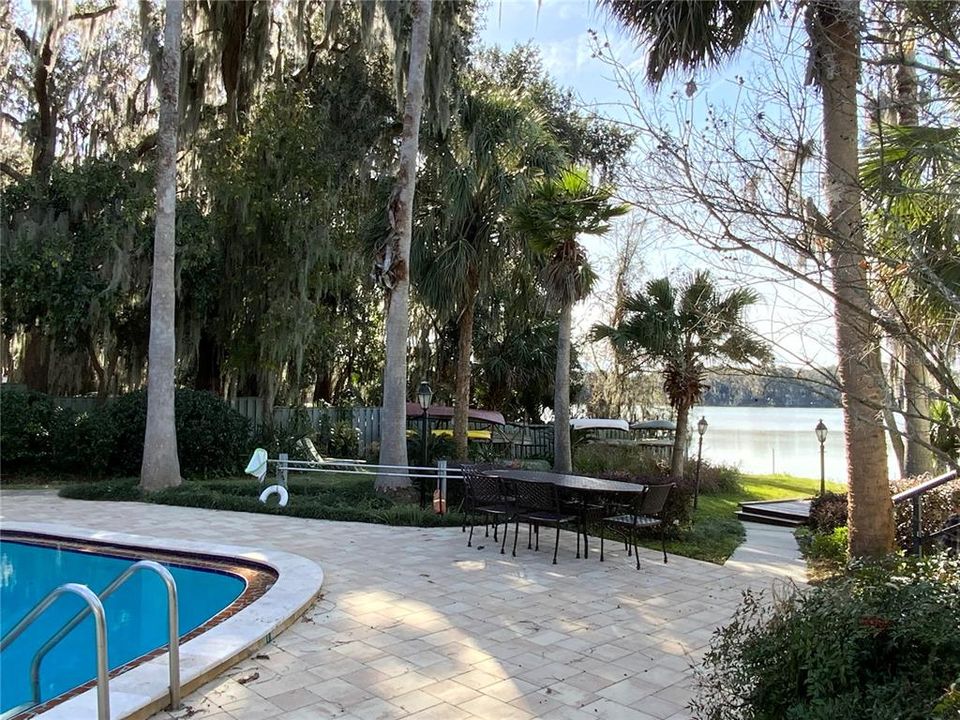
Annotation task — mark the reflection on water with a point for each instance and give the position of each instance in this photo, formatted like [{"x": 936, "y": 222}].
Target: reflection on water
[{"x": 765, "y": 439}]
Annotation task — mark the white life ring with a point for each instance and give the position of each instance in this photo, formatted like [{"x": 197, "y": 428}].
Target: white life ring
[{"x": 279, "y": 491}]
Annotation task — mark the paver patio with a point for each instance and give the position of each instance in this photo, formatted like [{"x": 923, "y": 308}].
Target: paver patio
[{"x": 414, "y": 624}]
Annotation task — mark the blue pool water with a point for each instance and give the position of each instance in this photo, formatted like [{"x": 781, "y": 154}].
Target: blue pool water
[{"x": 136, "y": 613}]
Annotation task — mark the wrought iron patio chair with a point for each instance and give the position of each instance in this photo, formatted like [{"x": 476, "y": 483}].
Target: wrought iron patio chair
[
  {"x": 539, "y": 504},
  {"x": 647, "y": 513},
  {"x": 483, "y": 495}
]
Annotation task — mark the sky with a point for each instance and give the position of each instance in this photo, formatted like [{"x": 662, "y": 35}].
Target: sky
[{"x": 797, "y": 319}]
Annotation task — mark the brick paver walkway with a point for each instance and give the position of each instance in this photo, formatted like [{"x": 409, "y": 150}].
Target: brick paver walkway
[{"x": 414, "y": 624}]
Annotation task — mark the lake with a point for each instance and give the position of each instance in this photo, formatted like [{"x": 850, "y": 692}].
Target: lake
[{"x": 773, "y": 440}]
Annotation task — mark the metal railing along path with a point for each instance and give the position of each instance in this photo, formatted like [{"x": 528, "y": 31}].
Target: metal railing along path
[
  {"x": 100, "y": 627},
  {"x": 915, "y": 495}
]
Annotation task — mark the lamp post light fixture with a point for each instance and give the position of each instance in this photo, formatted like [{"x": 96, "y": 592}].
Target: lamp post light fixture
[
  {"x": 424, "y": 398},
  {"x": 821, "y": 431},
  {"x": 701, "y": 429}
]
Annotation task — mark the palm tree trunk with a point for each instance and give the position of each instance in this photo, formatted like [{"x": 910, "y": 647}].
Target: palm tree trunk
[
  {"x": 889, "y": 415},
  {"x": 562, "y": 459},
  {"x": 161, "y": 467},
  {"x": 393, "y": 417},
  {"x": 679, "y": 456},
  {"x": 461, "y": 405},
  {"x": 919, "y": 458},
  {"x": 870, "y": 518}
]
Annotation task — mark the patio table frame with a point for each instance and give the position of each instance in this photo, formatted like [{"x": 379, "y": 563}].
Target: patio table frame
[{"x": 580, "y": 485}]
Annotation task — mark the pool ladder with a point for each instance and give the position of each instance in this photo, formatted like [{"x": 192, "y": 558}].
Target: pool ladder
[{"x": 94, "y": 605}]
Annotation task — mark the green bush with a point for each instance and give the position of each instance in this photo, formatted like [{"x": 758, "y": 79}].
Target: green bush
[
  {"x": 37, "y": 435},
  {"x": 881, "y": 642},
  {"x": 29, "y": 425},
  {"x": 598, "y": 458},
  {"x": 829, "y": 546},
  {"x": 828, "y": 512}
]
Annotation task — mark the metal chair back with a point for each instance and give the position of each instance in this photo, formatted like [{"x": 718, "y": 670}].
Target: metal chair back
[
  {"x": 480, "y": 489},
  {"x": 537, "y": 496},
  {"x": 654, "y": 500}
]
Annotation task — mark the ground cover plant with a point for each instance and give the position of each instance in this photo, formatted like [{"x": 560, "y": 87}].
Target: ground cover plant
[
  {"x": 332, "y": 497},
  {"x": 881, "y": 641}
]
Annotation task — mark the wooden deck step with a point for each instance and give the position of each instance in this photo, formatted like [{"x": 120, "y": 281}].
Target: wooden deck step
[{"x": 784, "y": 513}]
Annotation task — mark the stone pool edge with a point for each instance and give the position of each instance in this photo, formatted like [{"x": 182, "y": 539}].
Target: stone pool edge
[{"x": 143, "y": 690}]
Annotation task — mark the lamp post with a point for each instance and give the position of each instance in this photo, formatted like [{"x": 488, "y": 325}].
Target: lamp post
[
  {"x": 701, "y": 429},
  {"x": 821, "y": 431},
  {"x": 424, "y": 397}
]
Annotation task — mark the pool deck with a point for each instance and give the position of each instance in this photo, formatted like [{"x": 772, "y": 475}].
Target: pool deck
[{"x": 414, "y": 624}]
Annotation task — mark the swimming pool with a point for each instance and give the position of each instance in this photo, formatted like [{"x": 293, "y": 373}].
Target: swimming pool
[{"x": 135, "y": 614}]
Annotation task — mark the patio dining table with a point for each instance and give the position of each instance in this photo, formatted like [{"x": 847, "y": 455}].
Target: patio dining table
[{"x": 580, "y": 485}]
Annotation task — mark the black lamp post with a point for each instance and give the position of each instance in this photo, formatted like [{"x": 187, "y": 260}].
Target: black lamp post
[
  {"x": 424, "y": 396},
  {"x": 701, "y": 429},
  {"x": 821, "y": 431}
]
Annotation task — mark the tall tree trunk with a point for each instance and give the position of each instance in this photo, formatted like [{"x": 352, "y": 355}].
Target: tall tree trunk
[
  {"x": 36, "y": 361},
  {"x": 870, "y": 518},
  {"x": 562, "y": 456},
  {"x": 919, "y": 457},
  {"x": 393, "y": 417},
  {"x": 678, "y": 457},
  {"x": 461, "y": 404},
  {"x": 161, "y": 466},
  {"x": 889, "y": 415},
  {"x": 45, "y": 143}
]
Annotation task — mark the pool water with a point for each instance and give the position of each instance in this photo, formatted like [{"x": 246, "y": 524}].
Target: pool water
[{"x": 136, "y": 613}]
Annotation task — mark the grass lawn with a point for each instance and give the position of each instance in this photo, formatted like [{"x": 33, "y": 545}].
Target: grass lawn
[
  {"x": 714, "y": 535},
  {"x": 716, "y": 532}
]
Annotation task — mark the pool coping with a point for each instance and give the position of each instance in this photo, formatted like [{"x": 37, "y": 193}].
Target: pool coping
[{"x": 143, "y": 690}]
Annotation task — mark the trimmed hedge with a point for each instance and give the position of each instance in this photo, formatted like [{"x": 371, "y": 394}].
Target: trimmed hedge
[
  {"x": 344, "y": 498},
  {"x": 38, "y": 436}
]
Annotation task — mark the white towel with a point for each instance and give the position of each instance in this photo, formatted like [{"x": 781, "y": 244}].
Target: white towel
[{"x": 258, "y": 464}]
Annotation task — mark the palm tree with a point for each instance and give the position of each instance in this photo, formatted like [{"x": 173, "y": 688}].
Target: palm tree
[
  {"x": 689, "y": 34},
  {"x": 500, "y": 146},
  {"x": 161, "y": 466},
  {"x": 557, "y": 212},
  {"x": 682, "y": 330},
  {"x": 393, "y": 419}
]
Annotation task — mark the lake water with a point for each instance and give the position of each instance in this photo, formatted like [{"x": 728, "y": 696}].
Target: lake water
[{"x": 768, "y": 439}]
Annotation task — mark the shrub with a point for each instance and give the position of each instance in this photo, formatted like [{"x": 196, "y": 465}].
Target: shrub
[
  {"x": 829, "y": 546},
  {"x": 596, "y": 459},
  {"x": 30, "y": 424},
  {"x": 212, "y": 439},
  {"x": 935, "y": 508},
  {"x": 828, "y": 512},
  {"x": 882, "y": 642}
]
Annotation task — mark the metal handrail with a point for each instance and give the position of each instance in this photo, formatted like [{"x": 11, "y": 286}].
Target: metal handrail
[
  {"x": 173, "y": 638},
  {"x": 100, "y": 627},
  {"x": 915, "y": 495},
  {"x": 925, "y": 487}
]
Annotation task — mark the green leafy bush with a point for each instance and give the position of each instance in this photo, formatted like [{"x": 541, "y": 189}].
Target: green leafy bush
[
  {"x": 882, "y": 641},
  {"x": 828, "y": 546},
  {"x": 828, "y": 512},
  {"x": 598, "y": 458},
  {"x": 37, "y": 435},
  {"x": 29, "y": 425}
]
